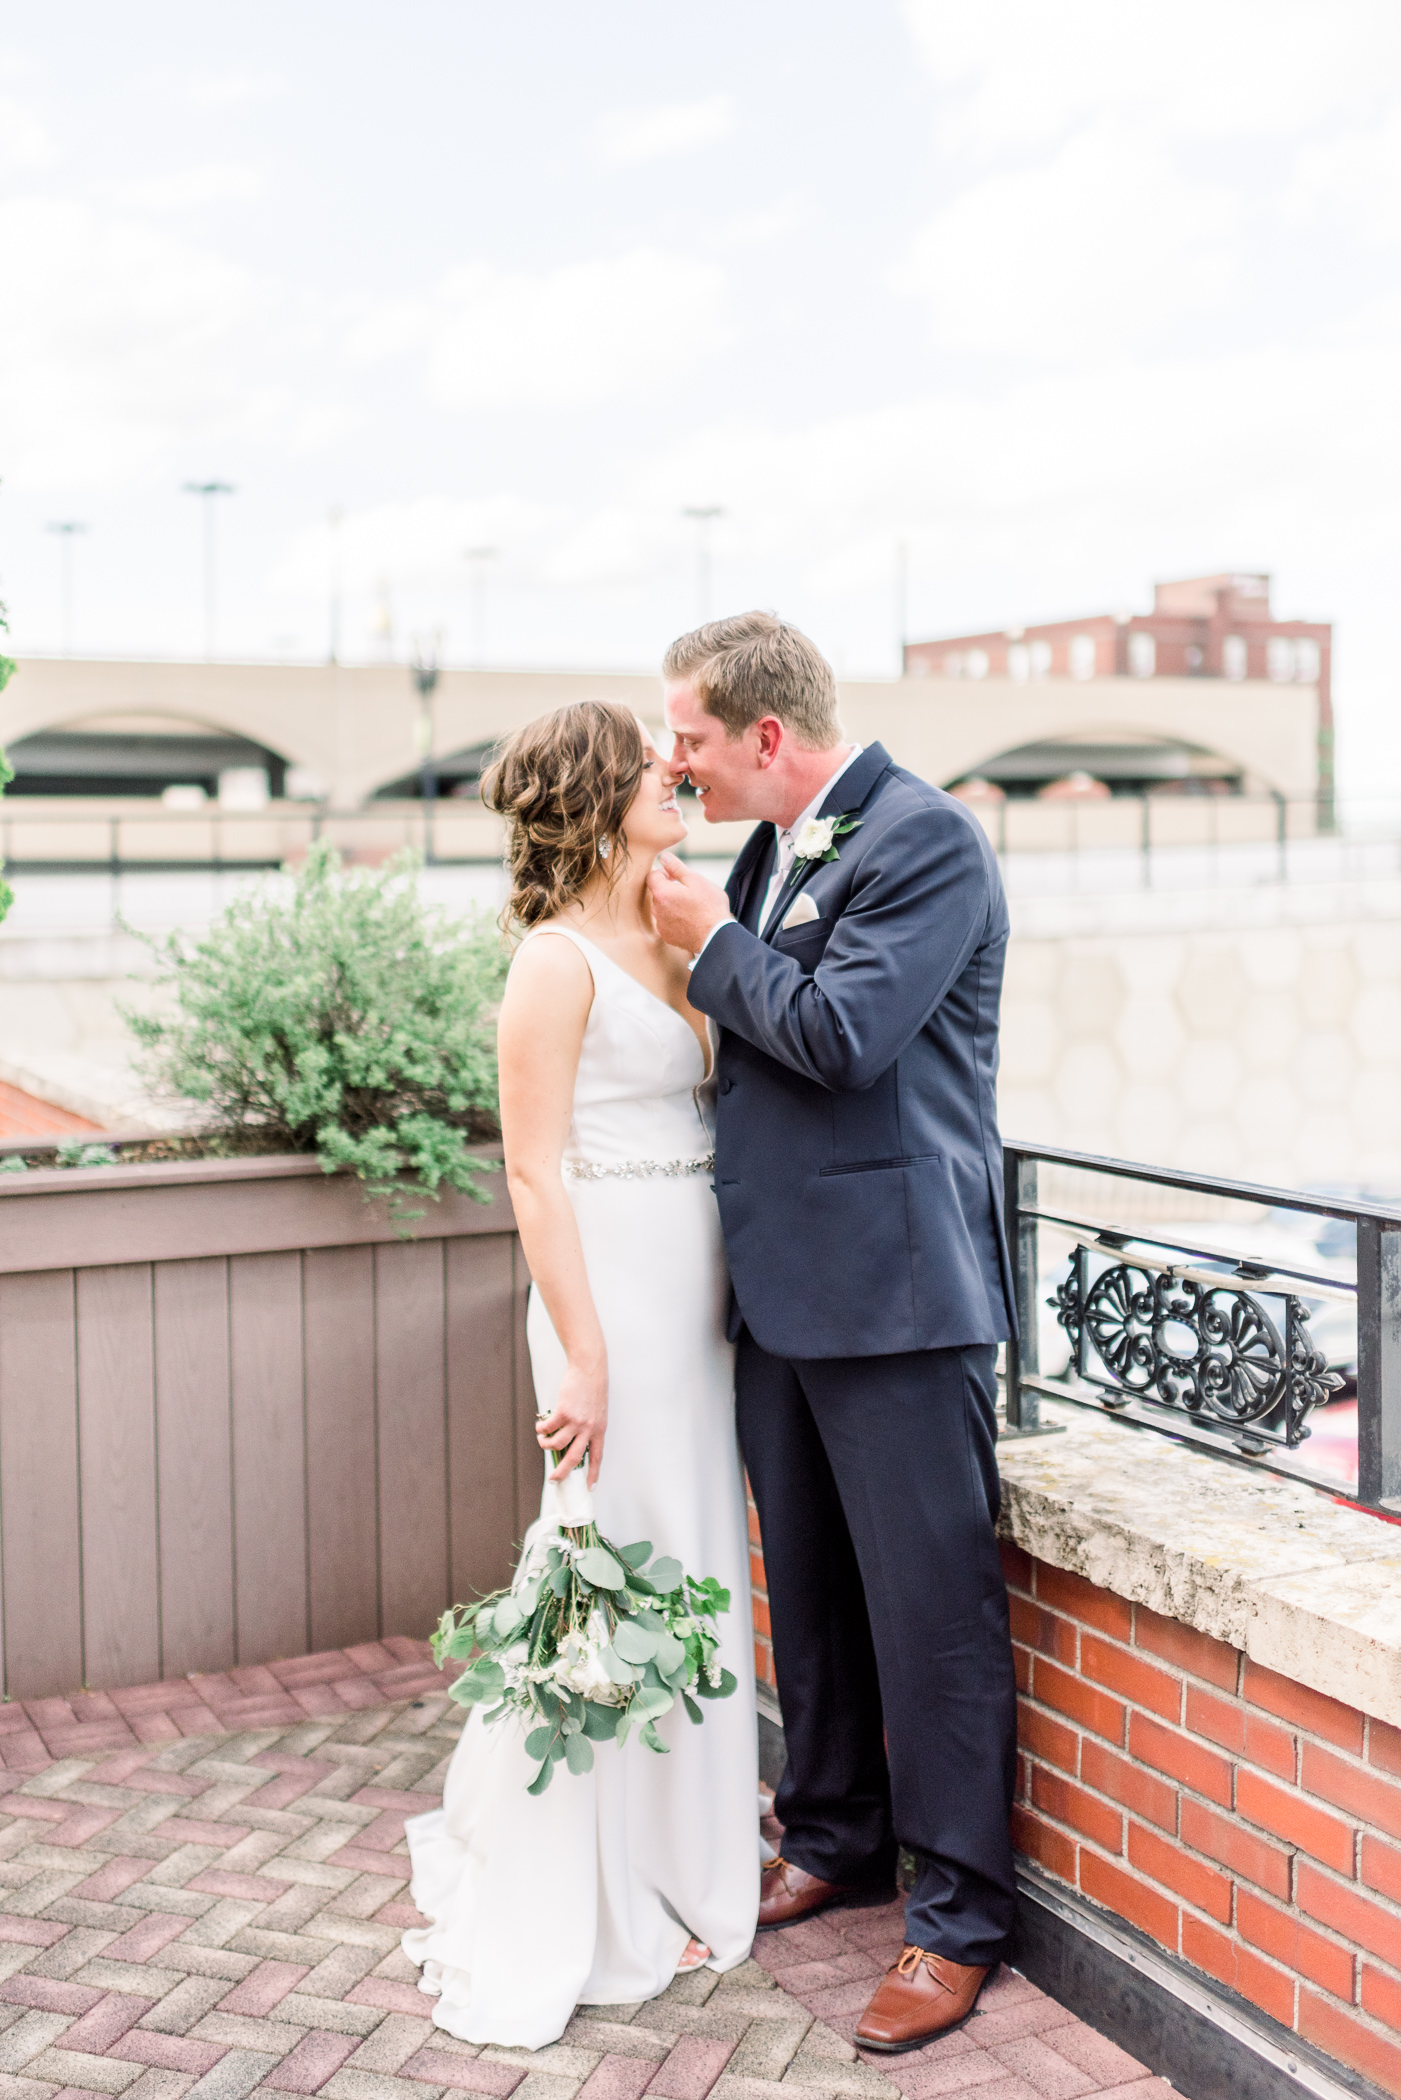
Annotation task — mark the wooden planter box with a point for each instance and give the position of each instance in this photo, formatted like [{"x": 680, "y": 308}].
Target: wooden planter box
[{"x": 241, "y": 1420}]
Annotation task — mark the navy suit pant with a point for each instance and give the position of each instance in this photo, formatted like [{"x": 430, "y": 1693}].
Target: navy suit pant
[{"x": 875, "y": 1478}]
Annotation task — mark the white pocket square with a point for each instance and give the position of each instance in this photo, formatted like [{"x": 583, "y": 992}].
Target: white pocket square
[{"x": 802, "y": 913}]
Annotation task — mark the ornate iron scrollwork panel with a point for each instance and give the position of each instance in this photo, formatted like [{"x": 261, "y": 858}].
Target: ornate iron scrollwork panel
[{"x": 1210, "y": 1349}]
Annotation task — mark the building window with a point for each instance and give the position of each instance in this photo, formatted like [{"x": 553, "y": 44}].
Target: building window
[
  {"x": 1082, "y": 656},
  {"x": 1308, "y": 660},
  {"x": 1279, "y": 658},
  {"x": 1019, "y": 662},
  {"x": 1143, "y": 655},
  {"x": 1040, "y": 656},
  {"x": 1234, "y": 656},
  {"x": 975, "y": 664}
]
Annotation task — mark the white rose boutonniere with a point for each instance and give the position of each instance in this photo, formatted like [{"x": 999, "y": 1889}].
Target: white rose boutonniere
[{"x": 817, "y": 841}]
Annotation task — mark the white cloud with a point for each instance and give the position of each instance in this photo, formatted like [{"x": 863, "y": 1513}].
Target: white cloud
[
  {"x": 189, "y": 188},
  {"x": 759, "y": 227},
  {"x": 627, "y": 136},
  {"x": 1102, "y": 244},
  {"x": 25, "y": 143},
  {"x": 1354, "y": 178},
  {"x": 1023, "y": 72},
  {"x": 118, "y": 340},
  {"x": 415, "y": 544},
  {"x": 567, "y": 338},
  {"x": 229, "y": 88}
]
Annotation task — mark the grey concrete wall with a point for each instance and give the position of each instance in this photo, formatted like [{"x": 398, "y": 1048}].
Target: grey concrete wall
[{"x": 1251, "y": 1033}]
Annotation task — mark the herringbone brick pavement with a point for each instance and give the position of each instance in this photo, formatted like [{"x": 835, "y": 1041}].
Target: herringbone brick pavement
[{"x": 207, "y": 1917}]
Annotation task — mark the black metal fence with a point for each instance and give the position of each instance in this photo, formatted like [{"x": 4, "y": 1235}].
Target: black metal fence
[{"x": 1165, "y": 1325}]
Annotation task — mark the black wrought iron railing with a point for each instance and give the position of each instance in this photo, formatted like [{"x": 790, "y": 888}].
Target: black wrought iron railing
[{"x": 1270, "y": 1315}]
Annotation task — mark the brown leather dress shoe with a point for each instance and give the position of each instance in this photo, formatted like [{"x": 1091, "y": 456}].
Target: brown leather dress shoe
[
  {"x": 786, "y": 1894},
  {"x": 924, "y": 1995}
]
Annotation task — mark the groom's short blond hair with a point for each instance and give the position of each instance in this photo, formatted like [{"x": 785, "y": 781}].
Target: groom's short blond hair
[{"x": 755, "y": 664}]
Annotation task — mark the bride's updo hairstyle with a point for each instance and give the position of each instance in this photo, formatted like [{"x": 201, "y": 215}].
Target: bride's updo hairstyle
[{"x": 564, "y": 784}]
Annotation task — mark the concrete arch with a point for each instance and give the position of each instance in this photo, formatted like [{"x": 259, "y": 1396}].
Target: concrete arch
[
  {"x": 355, "y": 727},
  {"x": 945, "y": 731}
]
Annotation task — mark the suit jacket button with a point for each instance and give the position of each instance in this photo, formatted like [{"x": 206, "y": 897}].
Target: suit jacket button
[{"x": 725, "y": 1085}]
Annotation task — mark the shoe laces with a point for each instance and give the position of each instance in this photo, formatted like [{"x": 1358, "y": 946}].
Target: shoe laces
[{"x": 910, "y": 1960}]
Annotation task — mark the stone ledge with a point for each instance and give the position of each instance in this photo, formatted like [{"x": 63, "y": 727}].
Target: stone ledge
[{"x": 1305, "y": 1585}]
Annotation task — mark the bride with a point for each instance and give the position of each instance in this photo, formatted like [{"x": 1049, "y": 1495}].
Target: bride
[{"x": 601, "y": 1889}]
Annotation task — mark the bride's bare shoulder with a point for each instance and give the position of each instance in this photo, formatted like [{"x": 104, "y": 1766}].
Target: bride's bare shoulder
[{"x": 548, "y": 963}]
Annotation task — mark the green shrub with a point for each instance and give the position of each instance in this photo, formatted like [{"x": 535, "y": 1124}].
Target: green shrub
[{"x": 346, "y": 1018}]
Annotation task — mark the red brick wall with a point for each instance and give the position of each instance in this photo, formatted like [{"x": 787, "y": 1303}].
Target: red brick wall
[{"x": 1249, "y": 1825}]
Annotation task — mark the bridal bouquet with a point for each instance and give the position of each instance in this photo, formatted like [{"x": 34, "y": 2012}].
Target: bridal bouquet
[{"x": 590, "y": 1641}]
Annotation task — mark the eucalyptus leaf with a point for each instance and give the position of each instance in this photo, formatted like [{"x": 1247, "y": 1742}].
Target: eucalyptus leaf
[
  {"x": 578, "y": 1753},
  {"x": 692, "y": 1709},
  {"x": 633, "y": 1643},
  {"x": 619, "y": 1672},
  {"x": 653, "y": 1740},
  {"x": 670, "y": 1653},
  {"x": 542, "y": 1778},
  {"x": 537, "y": 1743},
  {"x": 665, "y": 1575},
  {"x": 507, "y": 1618},
  {"x": 654, "y": 1699},
  {"x": 597, "y": 1565},
  {"x": 638, "y": 1554},
  {"x": 599, "y": 1722}
]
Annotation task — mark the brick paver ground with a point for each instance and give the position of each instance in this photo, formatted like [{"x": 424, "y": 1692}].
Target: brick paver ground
[{"x": 184, "y": 1913}]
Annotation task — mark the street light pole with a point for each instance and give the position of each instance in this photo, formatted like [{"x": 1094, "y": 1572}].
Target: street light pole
[
  {"x": 479, "y": 557},
  {"x": 209, "y": 490},
  {"x": 902, "y": 604},
  {"x": 704, "y": 515},
  {"x": 425, "y": 672},
  {"x": 66, "y": 528},
  {"x": 333, "y": 519}
]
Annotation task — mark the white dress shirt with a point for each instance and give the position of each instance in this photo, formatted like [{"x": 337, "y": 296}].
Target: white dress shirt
[{"x": 783, "y": 864}]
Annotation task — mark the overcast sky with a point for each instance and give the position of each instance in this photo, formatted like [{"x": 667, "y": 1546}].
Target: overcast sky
[{"x": 1066, "y": 296}]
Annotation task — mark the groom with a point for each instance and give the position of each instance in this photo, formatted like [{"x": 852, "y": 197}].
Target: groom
[{"x": 854, "y": 966}]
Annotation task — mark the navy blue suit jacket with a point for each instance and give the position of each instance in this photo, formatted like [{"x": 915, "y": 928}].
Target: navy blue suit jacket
[{"x": 857, "y": 1163}]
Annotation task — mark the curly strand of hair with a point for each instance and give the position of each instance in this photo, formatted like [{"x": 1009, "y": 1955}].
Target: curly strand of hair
[{"x": 563, "y": 784}]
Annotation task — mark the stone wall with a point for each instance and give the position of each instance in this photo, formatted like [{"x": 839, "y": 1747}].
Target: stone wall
[{"x": 1244, "y": 1032}]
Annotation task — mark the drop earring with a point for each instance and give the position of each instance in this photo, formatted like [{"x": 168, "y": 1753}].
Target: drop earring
[{"x": 604, "y": 849}]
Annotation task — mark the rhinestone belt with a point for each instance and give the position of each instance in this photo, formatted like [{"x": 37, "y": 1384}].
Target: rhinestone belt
[{"x": 636, "y": 1169}]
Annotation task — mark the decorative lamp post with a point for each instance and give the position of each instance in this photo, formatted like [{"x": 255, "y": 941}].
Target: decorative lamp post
[
  {"x": 425, "y": 671},
  {"x": 66, "y": 528},
  {"x": 208, "y": 490}
]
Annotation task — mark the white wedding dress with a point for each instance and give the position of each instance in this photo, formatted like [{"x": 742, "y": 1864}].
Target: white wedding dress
[{"x": 588, "y": 1893}]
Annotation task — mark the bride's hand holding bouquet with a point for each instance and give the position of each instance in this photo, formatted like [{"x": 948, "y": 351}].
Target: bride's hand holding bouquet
[{"x": 591, "y": 1639}]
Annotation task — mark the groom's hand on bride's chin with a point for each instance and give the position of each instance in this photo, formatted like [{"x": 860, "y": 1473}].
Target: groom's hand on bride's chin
[{"x": 685, "y": 904}]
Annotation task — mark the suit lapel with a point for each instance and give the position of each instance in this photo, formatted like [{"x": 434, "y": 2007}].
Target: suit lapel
[
  {"x": 851, "y": 791},
  {"x": 749, "y": 872}
]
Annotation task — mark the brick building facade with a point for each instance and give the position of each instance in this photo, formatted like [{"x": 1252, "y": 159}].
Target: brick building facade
[{"x": 1202, "y": 627}]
